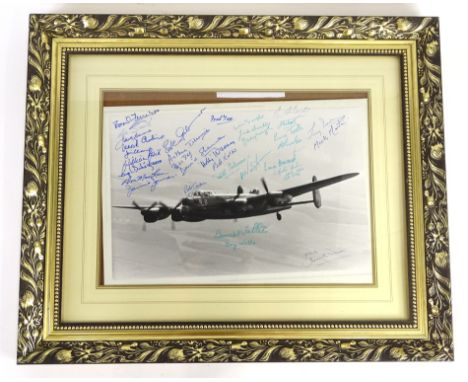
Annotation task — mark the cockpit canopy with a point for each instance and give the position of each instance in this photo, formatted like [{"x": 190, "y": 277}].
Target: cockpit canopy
[
  {"x": 202, "y": 194},
  {"x": 255, "y": 191}
]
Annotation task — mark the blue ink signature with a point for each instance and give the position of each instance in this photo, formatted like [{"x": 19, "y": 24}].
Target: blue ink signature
[
  {"x": 135, "y": 162},
  {"x": 217, "y": 153},
  {"x": 199, "y": 137},
  {"x": 249, "y": 121},
  {"x": 292, "y": 109},
  {"x": 285, "y": 140},
  {"x": 145, "y": 153},
  {"x": 250, "y": 134},
  {"x": 182, "y": 132},
  {"x": 133, "y": 118},
  {"x": 153, "y": 179},
  {"x": 205, "y": 150},
  {"x": 221, "y": 119},
  {"x": 291, "y": 125},
  {"x": 253, "y": 164},
  {"x": 181, "y": 160},
  {"x": 286, "y": 168},
  {"x": 241, "y": 237},
  {"x": 323, "y": 130},
  {"x": 190, "y": 188},
  {"x": 137, "y": 138}
]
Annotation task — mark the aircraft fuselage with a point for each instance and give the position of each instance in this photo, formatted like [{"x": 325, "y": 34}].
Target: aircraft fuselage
[{"x": 228, "y": 206}]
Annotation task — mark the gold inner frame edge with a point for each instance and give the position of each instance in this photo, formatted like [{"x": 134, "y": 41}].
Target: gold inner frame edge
[{"x": 55, "y": 330}]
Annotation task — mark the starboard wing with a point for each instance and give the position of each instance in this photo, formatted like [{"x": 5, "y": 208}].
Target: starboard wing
[{"x": 309, "y": 187}]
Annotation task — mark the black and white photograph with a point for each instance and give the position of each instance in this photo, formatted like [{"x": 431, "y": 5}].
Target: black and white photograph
[{"x": 259, "y": 192}]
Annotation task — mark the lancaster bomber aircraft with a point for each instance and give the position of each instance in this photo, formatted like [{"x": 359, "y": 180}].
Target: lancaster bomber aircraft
[{"x": 203, "y": 205}]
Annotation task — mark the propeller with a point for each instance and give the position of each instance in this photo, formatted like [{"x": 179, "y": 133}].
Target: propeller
[
  {"x": 152, "y": 205},
  {"x": 146, "y": 209},
  {"x": 240, "y": 191},
  {"x": 150, "y": 216},
  {"x": 178, "y": 204},
  {"x": 269, "y": 196},
  {"x": 136, "y": 205},
  {"x": 265, "y": 186}
]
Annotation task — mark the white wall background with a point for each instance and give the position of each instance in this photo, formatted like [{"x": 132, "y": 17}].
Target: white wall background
[{"x": 13, "y": 63}]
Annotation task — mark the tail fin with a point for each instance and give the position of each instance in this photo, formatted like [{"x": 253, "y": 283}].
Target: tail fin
[{"x": 316, "y": 195}]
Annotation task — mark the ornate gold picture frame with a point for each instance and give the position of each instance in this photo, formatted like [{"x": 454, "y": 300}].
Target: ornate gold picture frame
[{"x": 405, "y": 314}]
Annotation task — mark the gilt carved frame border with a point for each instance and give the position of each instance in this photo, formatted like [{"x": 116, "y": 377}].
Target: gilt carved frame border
[{"x": 32, "y": 348}]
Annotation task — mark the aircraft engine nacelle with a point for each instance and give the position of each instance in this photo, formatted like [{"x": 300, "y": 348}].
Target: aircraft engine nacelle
[
  {"x": 284, "y": 199},
  {"x": 150, "y": 218},
  {"x": 154, "y": 216},
  {"x": 316, "y": 195},
  {"x": 276, "y": 193},
  {"x": 176, "y": 215},
  {"x": 240, "y": 200}
]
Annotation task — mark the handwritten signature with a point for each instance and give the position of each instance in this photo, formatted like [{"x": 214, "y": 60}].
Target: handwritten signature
[
  {"x": 323, "y": 130},
  {"x": 190, "y": 188},
  {"x": 316, "y": 258},
  {"x": 151, "y": 154},
  {"x": 241, "y": 237},
  {"x": 133, "y": 118}
]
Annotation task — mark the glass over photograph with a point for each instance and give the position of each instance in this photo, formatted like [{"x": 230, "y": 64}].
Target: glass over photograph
[{"x": 237, "y": 192}]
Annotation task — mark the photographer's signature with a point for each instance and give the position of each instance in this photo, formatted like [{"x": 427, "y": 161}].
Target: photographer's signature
[{"x": 318, "y": 258}]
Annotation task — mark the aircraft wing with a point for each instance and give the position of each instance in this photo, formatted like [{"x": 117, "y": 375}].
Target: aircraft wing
[{"x": 309, "y": 187}]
